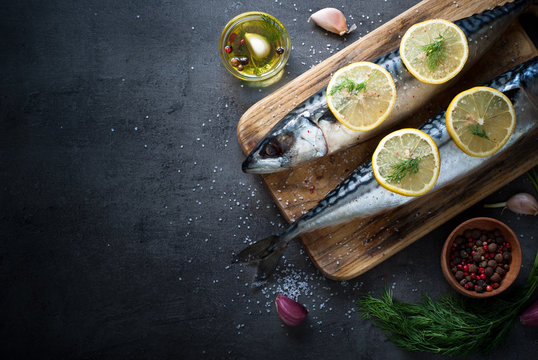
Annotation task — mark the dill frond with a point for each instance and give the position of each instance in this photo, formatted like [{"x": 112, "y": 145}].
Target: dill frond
[
  {"x": 450, "y": 325},
  {"x": 435, "y": 52},
  {"x": 402, "y": 168}
]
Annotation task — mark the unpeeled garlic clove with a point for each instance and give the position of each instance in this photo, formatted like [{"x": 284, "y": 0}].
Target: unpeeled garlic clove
[
  {"x": 290, "y": 311},
  {"x": 530, "y": 316},
  {"x": 522, "y": 203},
  {"x": 332, "y": 20}
]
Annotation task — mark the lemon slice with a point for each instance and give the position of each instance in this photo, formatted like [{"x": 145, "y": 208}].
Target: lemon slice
[
  {"x": 257, "y": 45},
  {"x": 406, "y": 162},
  {"x": 361, "y": 95},
  {"x": 434, "y": 51},
  {"x": 480, "y": 120}
]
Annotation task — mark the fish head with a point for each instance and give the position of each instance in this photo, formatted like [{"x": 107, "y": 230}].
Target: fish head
[{"x": 294, "y": 142}]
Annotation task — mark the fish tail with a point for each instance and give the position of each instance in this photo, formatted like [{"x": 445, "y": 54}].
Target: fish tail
[{"x": 265, "y": 254}]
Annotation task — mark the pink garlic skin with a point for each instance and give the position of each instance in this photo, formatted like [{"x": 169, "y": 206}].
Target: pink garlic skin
[
  {"x": 523, "y": 203},
  {"x": 530, "y": 316},
  {"x": 332, "y": 20},
  {"x": 291, "y": 312}
]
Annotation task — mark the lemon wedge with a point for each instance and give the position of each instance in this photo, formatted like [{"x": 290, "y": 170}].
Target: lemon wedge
[
  {"x": 480, "y": 120},
  {"x": 361, "y": 95},
  {"x": 406, "y": 162}
]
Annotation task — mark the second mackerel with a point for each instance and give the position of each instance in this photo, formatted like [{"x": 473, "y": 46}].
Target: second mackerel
[
  {"x": 311, "y": 131},
  {"x": 361, "y": 195}
]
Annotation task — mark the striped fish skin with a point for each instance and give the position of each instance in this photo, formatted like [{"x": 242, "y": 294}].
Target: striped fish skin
[
  {"x": 361, "y": 195},
  {"x": 310, "y": 131}
]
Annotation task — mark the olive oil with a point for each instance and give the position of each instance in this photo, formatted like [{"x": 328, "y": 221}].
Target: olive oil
[{"x": 255, "y": 47}]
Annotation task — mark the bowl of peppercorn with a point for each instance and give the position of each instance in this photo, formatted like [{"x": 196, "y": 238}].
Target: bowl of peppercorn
[{"x": 481, "y": 257}]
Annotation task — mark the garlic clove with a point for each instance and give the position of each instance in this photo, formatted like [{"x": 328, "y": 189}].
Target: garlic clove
[
  {"x": 257, "y": 45},
  {"x": 523, "y": 203},
  {"x": 332, "y": 20},
  {"x": 290, "y": 311},
  {"x": 530, "y": 316}
]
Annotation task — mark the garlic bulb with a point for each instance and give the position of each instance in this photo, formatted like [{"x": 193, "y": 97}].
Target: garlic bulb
[
  {"x": 291, "y": 312},
  {"x": 332, "y": 20}
]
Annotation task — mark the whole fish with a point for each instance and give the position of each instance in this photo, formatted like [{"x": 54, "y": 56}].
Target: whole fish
[
  {"x": 311, "y": 131},
  {"x": 361, "y": 195}
]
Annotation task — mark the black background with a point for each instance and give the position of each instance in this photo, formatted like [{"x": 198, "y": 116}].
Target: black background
[{"x": 122, "y": 198}]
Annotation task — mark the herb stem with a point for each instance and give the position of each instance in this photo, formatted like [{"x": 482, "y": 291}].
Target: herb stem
[{"x": 534, "y": 178}]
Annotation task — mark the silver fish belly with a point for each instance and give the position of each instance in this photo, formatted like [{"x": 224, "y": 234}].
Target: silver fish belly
[
  {"x": 361, "y": 195},
  {"x": 310, "y": 131}
]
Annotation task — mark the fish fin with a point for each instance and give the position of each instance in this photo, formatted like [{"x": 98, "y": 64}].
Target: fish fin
[{"x": 265, "y": 254}]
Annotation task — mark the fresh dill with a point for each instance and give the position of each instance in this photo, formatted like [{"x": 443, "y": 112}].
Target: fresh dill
[
  {"x": 435, "y": 52},
  {"x": 402, "y": 168},
  {"x": 351, "y": 86},
  {"x": 450, "y": 326},
  {"x": 271, "y": 28},
  {"x": 478, "y": 131}
]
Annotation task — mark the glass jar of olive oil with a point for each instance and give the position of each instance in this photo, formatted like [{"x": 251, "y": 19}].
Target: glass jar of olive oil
[{"x": 254, "y": 46}]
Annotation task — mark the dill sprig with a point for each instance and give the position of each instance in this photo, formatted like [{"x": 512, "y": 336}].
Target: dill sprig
[
  {"x": 435, "y": 52},
  {"x": 272, "y": 33},
  {"x": 450, "y": 325},
  {"x": 478, "y": 131},
  {"x": 402, "y": 168},
  {"x": 351, "y": 86}
]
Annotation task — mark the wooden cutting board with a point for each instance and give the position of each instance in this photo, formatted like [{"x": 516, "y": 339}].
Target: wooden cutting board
[{"x": 346, "y": 251}]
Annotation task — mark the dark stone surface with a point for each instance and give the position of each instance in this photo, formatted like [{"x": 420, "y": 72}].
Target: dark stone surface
[{"x": 123, "y": 200}]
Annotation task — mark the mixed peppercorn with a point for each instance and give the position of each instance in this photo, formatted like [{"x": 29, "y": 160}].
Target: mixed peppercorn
[
  {"x": 480, "y": 259},
  {"x": 240, "y": 61}
]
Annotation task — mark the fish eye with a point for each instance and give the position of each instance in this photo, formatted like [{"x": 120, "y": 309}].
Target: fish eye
[{"x": 271, "y": 149}]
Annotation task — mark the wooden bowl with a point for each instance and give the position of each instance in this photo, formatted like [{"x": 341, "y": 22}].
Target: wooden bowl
[{"x": 487, "y": 224}]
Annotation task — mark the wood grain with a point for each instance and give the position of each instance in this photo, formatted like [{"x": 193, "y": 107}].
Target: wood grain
[{"x": 348, "y": 250}]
